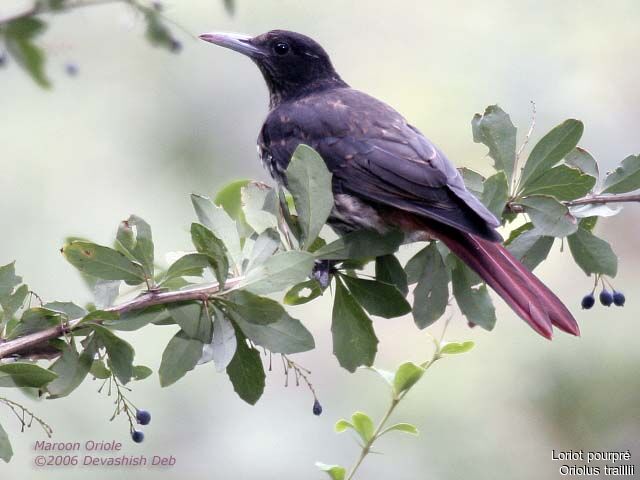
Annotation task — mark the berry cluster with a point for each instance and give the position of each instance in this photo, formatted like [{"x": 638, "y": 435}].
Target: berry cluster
[
  {"x": 143, "y": 418},
  {"x": 606, "y": 298}
]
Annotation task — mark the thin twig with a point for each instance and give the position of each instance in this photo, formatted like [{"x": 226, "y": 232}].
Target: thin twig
[
  {"x": 25, "y": 411},
  {"x": 141, "y": 302},
  {"x": 379, "y": 431},
  {"x": 514, "y": 207},
  {"x": 41, "y": 7},
  {"x": 516, "y": 174}
]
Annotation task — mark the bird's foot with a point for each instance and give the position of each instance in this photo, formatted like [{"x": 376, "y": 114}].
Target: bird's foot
[{"x": 322, "y": 271}]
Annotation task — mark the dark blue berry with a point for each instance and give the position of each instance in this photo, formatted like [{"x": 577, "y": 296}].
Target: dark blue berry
[
  {"x": 71, "y": 69},
  {"x": 143, "y": 417},
  {"x": 175, "y": 46},
  {"x": 317, "y": 408},
  {"x": 606, "y": 298},
  {"x": 618, "y": 298},
  {"x": 588, "y": 301},
  {"x": 137, "y": 436},
  {"x": 3, "y": 59}
]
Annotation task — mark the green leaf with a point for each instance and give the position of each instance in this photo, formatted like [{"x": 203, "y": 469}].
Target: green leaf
[
  {"x": 531, "y": 248},
  {"x": 287, "y": 335},
  {"x": 10, "y": 301},
  {"x": 562, "y": 182},
  {"x": 473, "y": 299},
  {"x": 230, "y": 198},
  {"x": 376, "y": 297},
  {"x": 140, "y": 372},
  {"x": 473, "y": 181},
  {"x": 549, "y": 216},
  {"x": 589, "y": 223},
  {"x": 401, "y": 427},
  {"x": 264, "y": 247},
  {"x": 100, "y": 316},
  {"x": 68, "y": 309},
  {"x": 19, "y": 35},
  {"x": 8, "y": 279},
  {"x": 103, "y": 262},
  {"x": 157, "y": 32},
  {"x": 342, "y": 425},
  {"x": 284, "y": 335},
  {"x": 416, "y": 265},
  {"x": 135, "y": 240},
  {"x": 253, "y": 308},
  {"x": 260, "y": 206},
  {"x": 406, "y": 377},
  {"x": 625, "y": 178},
  {"x": 592, "y": 254},
  {"x": 354, "y": 340},
  {"x": 496, "y": 193},
  {"x": 286, "y": 205},
  {"x": 120, "y": 352},
  {"x": 230, "y": 6},
  {"x": 33, "y": 320},
  {"x": 455, "y": 348},
  {"x": 105, "y": 293},
  {"x": 495, "y": 130},
  {"x": 71, "y": 369},
  {"x": 6, "y": 452},
  {"x": 224, "y": 343},
  {"x": 431, "y": 295},
  {"x": 189, "y": 265},
  {"x": 279, "y": 272},
  {"x": 525, "y": 227},
  {"x": 336, "y": 472},
  {"x": 303, "y": 292},
  {"x": 309, "y": 182},
  {"x": 208, "y": 244},
  {"x": 246, "y": 372},
  {"x": 180, "y": 356},
  {"x": 389, "y": 270},
  {"x": 552, "y": 148},
  {"x": 222, "y": 226},
  {"x": 21, "y": 374},
  {"x": 583, "y": 160},
  {"x": 99, "y": 370},
  {"x": 363, "y": 424},
  {"x": 193, "y": 320},
  {"x": 361, "y": 244}
]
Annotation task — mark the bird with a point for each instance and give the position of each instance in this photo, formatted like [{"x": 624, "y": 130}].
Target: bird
[{"x": 385, "y": 173}]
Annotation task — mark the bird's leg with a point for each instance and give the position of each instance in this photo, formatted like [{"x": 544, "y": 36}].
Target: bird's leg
[{"x": 322, "y": 271}]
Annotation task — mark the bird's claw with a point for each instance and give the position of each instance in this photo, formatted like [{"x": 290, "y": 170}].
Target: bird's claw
[{"x": 322, "y": 272}]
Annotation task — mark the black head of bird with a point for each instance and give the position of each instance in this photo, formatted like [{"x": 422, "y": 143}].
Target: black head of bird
[{"x": 292, "y": 64}]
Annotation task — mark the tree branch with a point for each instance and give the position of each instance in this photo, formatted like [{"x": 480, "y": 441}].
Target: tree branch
[
  {"x": 40, "y": 7},
  {"x": 148, "y": 299},
  {"x": 514, "y": 207}
]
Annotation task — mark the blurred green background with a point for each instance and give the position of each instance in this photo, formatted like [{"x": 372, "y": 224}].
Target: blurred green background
[{"x": 138, "y": 129}]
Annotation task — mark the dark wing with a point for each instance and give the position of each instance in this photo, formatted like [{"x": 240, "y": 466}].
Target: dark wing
[{"x": 375, "y": 155}]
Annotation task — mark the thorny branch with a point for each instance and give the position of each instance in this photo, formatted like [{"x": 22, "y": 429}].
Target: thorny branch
[
  {"x": 514, "y": 207},
  {"x": 147, "y": 299}
]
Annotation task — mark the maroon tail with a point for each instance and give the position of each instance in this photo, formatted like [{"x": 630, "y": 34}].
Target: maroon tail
[{"x": 522, "y": 290}]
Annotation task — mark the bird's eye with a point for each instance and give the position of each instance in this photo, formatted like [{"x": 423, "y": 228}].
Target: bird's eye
[{"x": 281, "y": 48}]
